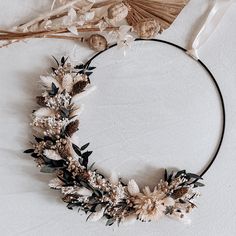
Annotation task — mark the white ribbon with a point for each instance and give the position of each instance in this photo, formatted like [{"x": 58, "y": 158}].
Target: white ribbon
[{"x": 217, "y": 12}]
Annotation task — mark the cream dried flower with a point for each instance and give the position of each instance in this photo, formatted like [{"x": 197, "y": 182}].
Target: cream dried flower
[
  {"x": 51, "y": 154},
  {"x": 149, "y": 205}
]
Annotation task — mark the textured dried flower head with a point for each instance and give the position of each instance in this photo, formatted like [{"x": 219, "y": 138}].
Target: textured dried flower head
[
  {"x": 72, "y": 127},
  {"x": 97, "y": 42},
  {"x": 149, "y": 205},
  {"x": 117, "y": 12},
  {"x": 147, "y": 28},
  {"x": 79, "y": 86}
]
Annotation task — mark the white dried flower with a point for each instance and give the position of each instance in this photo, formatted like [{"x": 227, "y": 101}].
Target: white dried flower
[
  {"x": 76, "y": 190},
  {"x": 48, "y": 80},
  {"x": 44, "y": 112},
  {"x": 55, "y": 183},
  {"x": 133, "y": 188},
  {"x": 67, "y": 83},
  {"x": 114, "y": 179},
  {"x": 51, "y": 154},
  {"x": 131, "y": 219},
  {"x": 149, "y": 205},
  {"x": 77, "y": 97},
  {"x": 96, "y": 216}
]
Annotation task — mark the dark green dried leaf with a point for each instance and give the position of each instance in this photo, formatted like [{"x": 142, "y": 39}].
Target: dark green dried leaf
[
  {"x": 110, "y": 222},
  {"x": 79, "y": 67},
  {"x": 47, "y": 169},
  {"x": 86, "y": 154},
  {"x": 179, "y": 173},
  {"x": 88, "y": 73},
  {"x": 194, "y": 176},
  {"x": 198, "y": 184},
  {"x": 165, "y": 175},
  {"x": 84, "y": 146},
  {"x": 77, "y": 149},
  {"x": 79, "y": 86},
  {"x": 56, "y": 60},
  {"x": 34, "y": 155},
  {"x": 29, "y": 151},
  {"x": 91, "y": 68}
]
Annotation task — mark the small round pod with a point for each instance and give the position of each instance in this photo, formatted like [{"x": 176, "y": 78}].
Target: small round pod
[
  {"x": 97, "y": 42},
  {"x": 147, "y": 28}
]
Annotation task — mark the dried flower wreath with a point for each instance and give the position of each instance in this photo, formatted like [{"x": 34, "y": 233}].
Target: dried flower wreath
[{"x": 81, "y": 185}]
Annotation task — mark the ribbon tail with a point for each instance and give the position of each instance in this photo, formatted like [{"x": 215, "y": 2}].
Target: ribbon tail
[{"x": 215, "y": 15}]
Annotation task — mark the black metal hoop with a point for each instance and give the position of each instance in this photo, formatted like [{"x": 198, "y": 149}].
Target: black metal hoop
[{"x": 213, "y": 80}]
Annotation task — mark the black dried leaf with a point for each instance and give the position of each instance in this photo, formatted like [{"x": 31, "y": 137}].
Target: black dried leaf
[
  {"x": 54, "y": 90},
  {"x": 48, "y": 138},
  {"x": 110, "y": 222},
  {"x": 182, "y": 201},
  {"x": 198, "y": 184},
  {"x": 56, "y": 60},
  {"x": 71, "y": 128},
  {"x": 170, "y": 177},
  {"x": 34, "y": 155},
  {"x": 98, "y": 193},
  {"x": 88, "y": 73},
  {"x": 165, "y": 175},
  {"x": 179, "y": 173},
  {"x": 80, "y": 72},
  {"x": 193, "y": 176},
  {"x": 64, "y": 112},
  {"x": 47, "y": 169},
  {"x": 40, "y": 101},
  {"x": 90, "y": 168},
  {"x": 63, "y": 60},
  {"x": 91, "y": 68},
  {"x": 86, "y": 154},
  {"x": 37, "y": 139},
  {"x": 70, "y": 206},
  {"x": 29, "y": 151},
  {"x": 79, "y": 86},
  {"x": 77, "y": 150},
  {"x": 84, "y": 146},
  {"x": 79, "y": 67}
]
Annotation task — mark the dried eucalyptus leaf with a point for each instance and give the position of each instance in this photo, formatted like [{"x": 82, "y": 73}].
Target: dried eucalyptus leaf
[
  {"x": 29, "y": 151},
  {"x": 47, "y": 169},
  {"x": 84, "y": 146}
]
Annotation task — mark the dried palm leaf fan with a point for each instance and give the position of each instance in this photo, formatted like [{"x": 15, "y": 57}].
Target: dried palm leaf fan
[{"x": 164, "y": 12}]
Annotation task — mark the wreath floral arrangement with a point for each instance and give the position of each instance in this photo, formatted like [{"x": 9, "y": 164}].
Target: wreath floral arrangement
[{"x": 82, "y": 186}]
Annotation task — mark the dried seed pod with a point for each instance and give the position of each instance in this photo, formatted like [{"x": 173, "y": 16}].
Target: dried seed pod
[
  {"x": 117, "y": 12},
  {"x": 64, "y": 151},
  {"x": 79, "y": 86},
  {"x": 40, "y": 101},
  {"x": 147, "y": 28},
  {"x": 97, "y": 42},
  {"x": 178, "y": 193},
  {"x": 72, "y": 127}
]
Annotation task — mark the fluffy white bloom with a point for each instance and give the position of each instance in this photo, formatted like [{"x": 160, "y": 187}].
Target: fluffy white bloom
[
  {"x": 55, "y": 183},
  {"x": 43, "y": 111},
  {"x": 96, "y": 216},
  {"x": 149, "y": 205},
  {"x": 78, "y": 96},
  {"x": 131, "y": 219},
  {"x": 76, "y": 190},
  {"x": 48, "y": 80},
  {"x": 114, "y": 179},
  {"x": 67, "y": 83},
  {"x": 133, "y": 188},
  {"x": 51, "y": 154}
]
